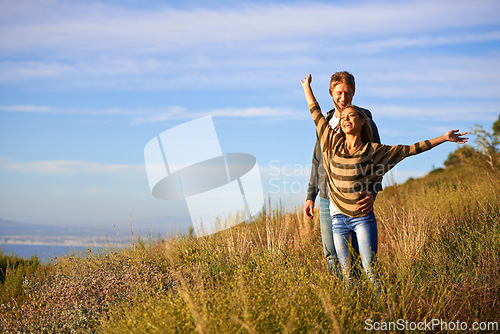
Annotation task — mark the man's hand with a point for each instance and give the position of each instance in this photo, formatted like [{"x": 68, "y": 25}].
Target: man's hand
[
  {"x": 366, "y": 203},
  {"x": 309, "y": 209}
]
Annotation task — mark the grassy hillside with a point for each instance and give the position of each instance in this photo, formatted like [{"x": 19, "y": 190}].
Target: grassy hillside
[{"x": 439, "y": 258}]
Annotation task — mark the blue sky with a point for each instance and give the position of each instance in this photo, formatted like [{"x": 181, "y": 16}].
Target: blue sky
[{"x": 84, "y": 85}]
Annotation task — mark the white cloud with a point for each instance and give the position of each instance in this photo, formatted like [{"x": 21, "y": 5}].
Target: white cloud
[
  {"x": 384, "y": 45},
  {"x": 71, "y": 167},
  {"x": 57, "y": 110},
  {"x": 99, "y": 26},
  {"x": 459, "y": 111},
  {"x": 26, "y": 109},
  {"x": 437, "y": 112},
  {"x": 256, "y": 46},
  {"x": 180, "y": 113},
  {"x": 108, "y": 46},
  {"x": 437, "y": 76},
  {"x": 139, "y": 116}
]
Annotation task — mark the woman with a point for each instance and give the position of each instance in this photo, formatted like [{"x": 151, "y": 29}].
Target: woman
[{"x": 352, "y": 163}]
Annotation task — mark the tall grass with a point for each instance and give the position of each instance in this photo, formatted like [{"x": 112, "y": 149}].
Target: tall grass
[{"x": 439, "y": 249}]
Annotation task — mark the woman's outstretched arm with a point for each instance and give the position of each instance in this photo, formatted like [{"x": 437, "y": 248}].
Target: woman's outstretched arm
[
  {"x": 327, "y": 136},
  {"x": 306, "y": 84},
  {"x": 452, "y": 136},
  {"x": 386, "y": 157}
]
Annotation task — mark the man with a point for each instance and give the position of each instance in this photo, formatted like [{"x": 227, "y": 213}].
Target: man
[{"x": 342, "y": 88}]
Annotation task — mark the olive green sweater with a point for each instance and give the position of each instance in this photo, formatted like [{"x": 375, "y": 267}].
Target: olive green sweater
[{"x": 347, "y": 175}]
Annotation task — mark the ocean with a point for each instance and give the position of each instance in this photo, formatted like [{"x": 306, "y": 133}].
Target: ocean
[{"x": 44, "y": 252}]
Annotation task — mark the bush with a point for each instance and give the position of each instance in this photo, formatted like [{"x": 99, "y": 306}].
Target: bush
[
  {"x": 8, "y": 262},
  {"x": 15, "y": 270}
]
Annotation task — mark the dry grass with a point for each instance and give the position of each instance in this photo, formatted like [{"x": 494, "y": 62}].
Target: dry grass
[{"x": 439, "y": 259}]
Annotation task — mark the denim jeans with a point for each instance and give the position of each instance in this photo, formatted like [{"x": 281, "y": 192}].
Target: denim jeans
[
  {"x": 325, "y": 221},
  {"x": 365, "y": 229}
]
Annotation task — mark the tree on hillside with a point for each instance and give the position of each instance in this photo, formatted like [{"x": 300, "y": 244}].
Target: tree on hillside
[
  {"x": 488, "y": 144},
  {"x": 487, "y": 150},
  {"x": 496, "y": 127},
  {"x": 463, "y": 154}
]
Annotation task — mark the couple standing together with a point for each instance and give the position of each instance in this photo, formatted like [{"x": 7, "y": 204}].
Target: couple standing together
[{"x": 347, "y": 168}]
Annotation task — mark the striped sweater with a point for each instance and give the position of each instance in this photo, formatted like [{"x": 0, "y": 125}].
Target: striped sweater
[{"x": 347, "y": 175}]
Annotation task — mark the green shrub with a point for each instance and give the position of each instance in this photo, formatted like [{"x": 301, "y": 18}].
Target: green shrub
[{"x": 15, "y": 276}]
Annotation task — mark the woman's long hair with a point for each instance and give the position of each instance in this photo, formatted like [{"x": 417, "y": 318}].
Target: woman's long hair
[{"x": 366, "y": 129}]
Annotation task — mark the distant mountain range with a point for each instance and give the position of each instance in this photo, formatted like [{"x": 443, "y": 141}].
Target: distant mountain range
[
  {"x": 9, "y": 227},
  {"x": 29, "y": 233}
]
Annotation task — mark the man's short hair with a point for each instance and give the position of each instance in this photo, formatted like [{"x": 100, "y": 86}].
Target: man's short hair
[{"x": 343, "y": 77}]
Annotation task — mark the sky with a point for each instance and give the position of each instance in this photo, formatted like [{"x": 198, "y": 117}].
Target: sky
[{"x": 84, "y": 85}]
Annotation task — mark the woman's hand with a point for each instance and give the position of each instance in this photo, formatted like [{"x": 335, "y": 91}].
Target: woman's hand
[
  {"x": 307, "y": 81},
  {"x": 452, "y": 136},
  {"x": 306, "y": 84},
  {"x": 455, "y": 137},
  {"x": 366, "y": 203}
]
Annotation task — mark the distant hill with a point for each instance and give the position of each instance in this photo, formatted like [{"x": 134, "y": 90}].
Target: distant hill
[
  {"x": 10, "y": 227},
  {"x": 29, "y": 233},
  {"x": 22, "y": 232}
]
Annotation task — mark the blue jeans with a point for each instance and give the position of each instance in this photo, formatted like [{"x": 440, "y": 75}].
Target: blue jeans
[
  {"x": 325, "y": 221},
  {"x": 365, "y": 229}
]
